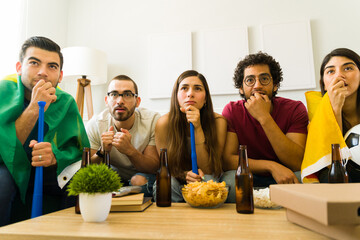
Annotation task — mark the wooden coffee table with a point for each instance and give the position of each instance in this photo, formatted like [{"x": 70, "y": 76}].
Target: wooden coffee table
[{"x": 179, "y": 221}]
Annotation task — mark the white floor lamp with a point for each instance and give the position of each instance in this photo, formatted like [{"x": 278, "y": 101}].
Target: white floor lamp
[{"x": 84, "y": 64}]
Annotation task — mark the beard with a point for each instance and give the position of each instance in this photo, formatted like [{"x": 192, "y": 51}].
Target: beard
[
  {"x": 122, "y": 116},
  {"x": 30, "y": 83}
]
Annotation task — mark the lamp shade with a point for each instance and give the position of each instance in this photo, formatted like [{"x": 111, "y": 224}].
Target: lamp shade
[{"x": 84, "y": 61}]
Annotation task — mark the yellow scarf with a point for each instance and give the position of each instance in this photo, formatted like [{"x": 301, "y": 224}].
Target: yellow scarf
[{"x": 323, "y": 131}]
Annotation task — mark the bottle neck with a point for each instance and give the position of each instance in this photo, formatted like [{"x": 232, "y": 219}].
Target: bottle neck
[
  {"x": 85, "y": 157},
  {"x": 163, "y": 159},
  {"x": 106, "y": 159},
  {"x": 335, "y": 154},
  {"x": 88, "y": 159},
  {"x": 243, "y": 160}
]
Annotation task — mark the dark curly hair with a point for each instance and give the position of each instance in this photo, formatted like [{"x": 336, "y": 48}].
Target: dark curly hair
[{"x": 259, "y": 58}]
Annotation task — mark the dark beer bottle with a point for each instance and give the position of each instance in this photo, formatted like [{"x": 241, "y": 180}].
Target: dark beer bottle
[
  {"x": 163, "y": 181},
  {"x": 106, "y": 159},
  {"x": 337, "y": 170},
  {"x": 86, "y": 160},
  {"x": 244, "y": 184}
]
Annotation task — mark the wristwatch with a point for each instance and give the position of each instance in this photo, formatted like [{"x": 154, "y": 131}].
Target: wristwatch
[{"x": 99, "y": 152}]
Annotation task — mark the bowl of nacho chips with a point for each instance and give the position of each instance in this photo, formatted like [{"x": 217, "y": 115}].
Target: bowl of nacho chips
[{"x": 208, "y": 194}]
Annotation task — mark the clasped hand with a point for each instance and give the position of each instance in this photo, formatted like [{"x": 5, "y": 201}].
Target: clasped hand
[
  {"x": 43, "y": 91},
  {"x": 283, "y": 175},
  {"x": 192, "y": 115},
  {"x": 193, "y": 177},
  {"x": 120, "y": 140},
  {"x": 337, "y": 92},
  {"x": 259, "y": 106},
  {"x": 42, "y": 154}
]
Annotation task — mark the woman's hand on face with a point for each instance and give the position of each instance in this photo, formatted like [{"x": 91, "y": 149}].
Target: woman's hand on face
[
  {"x": 193, "y": 177},
  {"x": 337, "y": 92},
  {"x": 192, "y": 115}
]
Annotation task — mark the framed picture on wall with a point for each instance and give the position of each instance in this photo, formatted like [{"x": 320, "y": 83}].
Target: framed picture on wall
[
  {"x": 291, "y": 45},
  {"x": 218, "y": 52},
  {"x": 169, "y": 55}
]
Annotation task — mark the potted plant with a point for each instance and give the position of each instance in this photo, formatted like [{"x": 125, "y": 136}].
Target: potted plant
[{"x": 94, "y": 184}]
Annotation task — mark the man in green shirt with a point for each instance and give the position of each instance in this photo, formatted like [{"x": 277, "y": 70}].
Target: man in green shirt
[{"x": 39, "y": 71}]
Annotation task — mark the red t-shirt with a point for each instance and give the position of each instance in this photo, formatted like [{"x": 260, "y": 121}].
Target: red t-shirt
[{"x": 289, "y": 115}]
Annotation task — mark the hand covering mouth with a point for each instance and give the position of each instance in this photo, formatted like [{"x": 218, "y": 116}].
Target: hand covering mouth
[
  {"x": 345, "y": 83},
  {"x": 38, "y": 79},
  {"x": 260, "y": 92}
]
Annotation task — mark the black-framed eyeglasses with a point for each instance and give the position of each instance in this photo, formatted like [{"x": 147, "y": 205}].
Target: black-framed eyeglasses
[
  {"x": 264, "y": 79},
  {"x": 127, "y": 95}
]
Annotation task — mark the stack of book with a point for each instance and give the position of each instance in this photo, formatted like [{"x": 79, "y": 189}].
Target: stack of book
[
  {"x": 130, "y": 203},
  {"x": 329, "y": 209}
]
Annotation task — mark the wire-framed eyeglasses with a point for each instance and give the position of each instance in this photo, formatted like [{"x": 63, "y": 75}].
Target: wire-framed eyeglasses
[
  {"x": 264, "y": 79},
  {"x": 127, "y": 95}
]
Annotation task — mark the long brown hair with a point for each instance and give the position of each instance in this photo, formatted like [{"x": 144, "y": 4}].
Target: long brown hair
[{"x": 178, "y": 154}]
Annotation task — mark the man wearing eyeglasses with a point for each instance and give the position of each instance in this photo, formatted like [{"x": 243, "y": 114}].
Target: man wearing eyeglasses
[
  {"x": 128, "y": 133},
  {"x": 273, "y": 128}
]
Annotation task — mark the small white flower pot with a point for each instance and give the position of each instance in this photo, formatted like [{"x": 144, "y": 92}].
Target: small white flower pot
[{"x": 95, "y": 207}]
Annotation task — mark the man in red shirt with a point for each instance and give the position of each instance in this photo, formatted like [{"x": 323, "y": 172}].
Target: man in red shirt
[{"x": 273, "y": 128}]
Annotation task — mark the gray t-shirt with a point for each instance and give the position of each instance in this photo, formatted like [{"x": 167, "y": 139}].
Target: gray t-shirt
[{"x": 142, "y": 135}]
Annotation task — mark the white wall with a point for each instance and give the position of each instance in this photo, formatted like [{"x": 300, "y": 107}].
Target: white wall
[
  {"x": 47, "y": 18},
  {"x": 11, "y": 17},
  {"x": 120, "y": 28}
]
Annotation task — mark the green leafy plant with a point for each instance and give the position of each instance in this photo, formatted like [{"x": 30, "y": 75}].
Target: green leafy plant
[{"x": 94, "y": 178}]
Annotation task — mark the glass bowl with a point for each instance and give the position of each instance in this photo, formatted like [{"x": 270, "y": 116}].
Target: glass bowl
[{"x": 204, "y": 197}]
